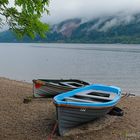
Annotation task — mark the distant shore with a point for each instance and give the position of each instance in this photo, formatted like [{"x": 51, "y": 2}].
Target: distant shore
[{"x": 36, "y": 119}]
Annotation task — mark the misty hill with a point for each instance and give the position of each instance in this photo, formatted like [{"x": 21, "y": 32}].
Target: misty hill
[{"x": 115, "y": 29}]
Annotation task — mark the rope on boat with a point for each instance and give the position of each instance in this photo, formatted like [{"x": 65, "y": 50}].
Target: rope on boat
[
  {"x": 125, "y": 95},
  {"x": 53, "y": 131}
]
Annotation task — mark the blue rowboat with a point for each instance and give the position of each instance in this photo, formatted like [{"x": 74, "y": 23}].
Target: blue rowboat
[
  {"x": 84, "y": 104},
  {"x": 52, "y": 87}
]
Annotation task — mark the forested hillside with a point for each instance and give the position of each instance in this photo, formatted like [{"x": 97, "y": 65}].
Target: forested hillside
[{"x": 115, "y": 29}]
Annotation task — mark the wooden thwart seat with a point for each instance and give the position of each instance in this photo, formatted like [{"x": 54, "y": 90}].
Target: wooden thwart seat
[
  {"x": 91, "y": 96},
  {"x": 78, "y": 100},
  {"x": 86, "y": 94},
  {"x": 95, "y": 97},
  {"x": 71, "y": 84}
]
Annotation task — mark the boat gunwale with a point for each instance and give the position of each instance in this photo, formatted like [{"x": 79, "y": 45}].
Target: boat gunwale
[{"x": 45, "y": 82}]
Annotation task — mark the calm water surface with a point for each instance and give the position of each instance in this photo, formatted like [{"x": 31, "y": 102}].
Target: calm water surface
[{"x": 106, "y": 64}]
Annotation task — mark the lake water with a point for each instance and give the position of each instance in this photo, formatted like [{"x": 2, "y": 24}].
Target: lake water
[{"x": 117, "y": 64}]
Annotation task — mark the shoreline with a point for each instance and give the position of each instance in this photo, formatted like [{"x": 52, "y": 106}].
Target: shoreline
[{"x": 36, "y": 119}]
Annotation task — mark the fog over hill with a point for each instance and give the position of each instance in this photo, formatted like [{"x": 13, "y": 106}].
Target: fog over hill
[
  {"x": 61, "y": 10},
  {"x": 120, "y": 28}
]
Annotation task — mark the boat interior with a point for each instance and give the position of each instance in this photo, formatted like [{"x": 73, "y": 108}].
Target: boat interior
[
  {"x": 91, "y": 96},
  {"x": 69, "y": 84},
  {"x": 72, "y": 84}
]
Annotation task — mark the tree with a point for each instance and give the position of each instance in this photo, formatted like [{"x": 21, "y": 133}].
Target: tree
[{"x": 23, "y": 17}]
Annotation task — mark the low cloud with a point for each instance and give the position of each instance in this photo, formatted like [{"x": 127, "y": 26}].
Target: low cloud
[
  {"x": 65, "y": 9},
  {"x": 116, "y": 21}
]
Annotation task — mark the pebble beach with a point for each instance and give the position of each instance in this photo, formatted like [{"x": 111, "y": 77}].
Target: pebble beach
[{"x": 35, "y": 120}]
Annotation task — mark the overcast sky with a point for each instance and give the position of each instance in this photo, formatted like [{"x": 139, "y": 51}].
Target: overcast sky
[
  {"x": 87, "y": 9},
  {"x": 65, "y": 9}
]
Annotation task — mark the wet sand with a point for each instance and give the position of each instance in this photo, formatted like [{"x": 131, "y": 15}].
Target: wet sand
[{"x": 35, "y": 120}]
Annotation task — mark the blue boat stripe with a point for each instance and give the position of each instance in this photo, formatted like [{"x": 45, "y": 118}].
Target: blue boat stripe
[{"x": 59, "y": 98}]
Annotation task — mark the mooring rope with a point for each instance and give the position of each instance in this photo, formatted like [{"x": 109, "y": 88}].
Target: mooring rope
[
  {"x": 125, "y": 95},
  {"x": 53, "y": 131}
]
